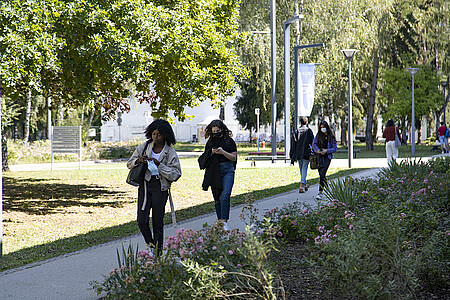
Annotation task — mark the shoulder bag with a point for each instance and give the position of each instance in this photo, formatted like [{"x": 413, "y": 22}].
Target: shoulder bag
[
  {"x": 136, "y": 175},
  {"x": 314, "y": 160}
]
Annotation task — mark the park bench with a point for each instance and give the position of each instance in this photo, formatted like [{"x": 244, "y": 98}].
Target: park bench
[
  {"x": 264, "y": 153},
  {"x": 346, "y": 151},
  {"x": 254, "y": 158}
]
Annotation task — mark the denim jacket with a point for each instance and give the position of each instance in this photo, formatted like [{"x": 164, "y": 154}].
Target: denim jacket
[{"x": 332, "y": 146}]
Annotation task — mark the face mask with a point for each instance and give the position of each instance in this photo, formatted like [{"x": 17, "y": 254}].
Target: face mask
[
  {"x": 216, "y": 135},
  {"x": 323, "y": 129},
  {"x": 152, "y": 168}
]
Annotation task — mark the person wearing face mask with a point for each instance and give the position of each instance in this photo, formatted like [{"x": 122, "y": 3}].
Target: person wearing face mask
[
  {"x": 324, "y": 144},
  {"x": 163, "y": 169},
  {"x": 219, "y": 161}
]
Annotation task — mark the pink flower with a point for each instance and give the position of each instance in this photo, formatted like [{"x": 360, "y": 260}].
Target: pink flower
[
  {"x": 294, "y": 222},
  {"x": 365, "y": 192},
  {"x": 142, "y": 280},
  {"x": 403, "y": 215},
  {"x": 425, "y": 180},
  {"x": 230, "y": 252},
  {"x": 214, "y": 247},
  {"x": 239, "y": 265}
]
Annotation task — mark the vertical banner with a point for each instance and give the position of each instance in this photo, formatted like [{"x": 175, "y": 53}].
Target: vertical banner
[{"x": 305, "y": 89}]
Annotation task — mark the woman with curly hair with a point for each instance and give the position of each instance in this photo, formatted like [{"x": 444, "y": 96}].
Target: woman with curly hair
[
  {"x": 163, "y": 169},
  {"x": 219, "y": 160}
]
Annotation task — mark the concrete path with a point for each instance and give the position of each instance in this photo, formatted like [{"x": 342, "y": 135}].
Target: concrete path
[{"x": 68, "y": 276}]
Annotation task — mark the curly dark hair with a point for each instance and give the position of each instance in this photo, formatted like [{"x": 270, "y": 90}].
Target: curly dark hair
[
  {"x": 218, "y": 123},
  {"x": 164, "y": 128}
]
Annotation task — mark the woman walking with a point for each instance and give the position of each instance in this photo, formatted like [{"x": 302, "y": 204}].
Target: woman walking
[
  {"x": 324, "y": 144},
  {"x": 163, "y": 169},
  {"x": 219, "y": 160},
  {"x": 389, "y": 134}
]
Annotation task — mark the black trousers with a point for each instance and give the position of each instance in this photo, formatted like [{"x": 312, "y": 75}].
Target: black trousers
[
  {"x": 325, "y": 162},
  {"x": 156, "y": 201}
]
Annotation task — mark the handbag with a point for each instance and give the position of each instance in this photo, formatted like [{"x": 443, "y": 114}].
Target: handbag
[
  {"x": 314, "y": 160},
  {"x": 398, "y": 143},
  {"x": 136, "y": 175}
]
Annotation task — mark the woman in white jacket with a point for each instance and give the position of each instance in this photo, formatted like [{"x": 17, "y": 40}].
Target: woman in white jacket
[{"x": 163, "y": 168}]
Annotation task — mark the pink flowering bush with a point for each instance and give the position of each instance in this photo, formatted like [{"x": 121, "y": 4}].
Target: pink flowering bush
[
  {"x": 384, "y": 237},
  {"x": 205, "y": 264}
]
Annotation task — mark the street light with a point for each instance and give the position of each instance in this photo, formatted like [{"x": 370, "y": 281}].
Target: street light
[
  {"x": 444, "y": 84},
  {"x": 257, "y": 112},
  {"x": 349, "y": 53},
  {"x": 413, "y": 71}
]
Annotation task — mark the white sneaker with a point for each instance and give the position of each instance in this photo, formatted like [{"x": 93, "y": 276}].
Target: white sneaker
[
  {"x": 225, "y": 226},
  {"x": 320, "y": 196}
]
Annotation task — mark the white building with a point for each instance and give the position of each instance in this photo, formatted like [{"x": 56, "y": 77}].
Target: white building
[{"x": 134, "y": 123}]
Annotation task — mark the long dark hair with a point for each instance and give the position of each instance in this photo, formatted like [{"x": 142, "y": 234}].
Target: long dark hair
[
  {"x": 218, "y": 123},
  {"x": 390, "y": 123},
  {"x": 164, "y": 128},
  {"x": 321, "y": 136}
]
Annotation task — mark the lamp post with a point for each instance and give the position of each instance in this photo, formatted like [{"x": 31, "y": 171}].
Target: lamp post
[
  {"x": 273, "y": 74},
  {"x": 349, "y": 53},
  {"x": 413, "y": 71},
  {"x": 444, "y": 84},
  {"x": 257, "y": 112}
]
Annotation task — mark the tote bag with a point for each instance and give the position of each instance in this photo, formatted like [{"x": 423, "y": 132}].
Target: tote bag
[
  {"x": 314, "y": 161},
  {"x": 136, "y": 175}
]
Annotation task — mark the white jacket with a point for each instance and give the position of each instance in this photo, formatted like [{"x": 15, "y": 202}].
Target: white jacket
[{"x": 169, "y": 168}]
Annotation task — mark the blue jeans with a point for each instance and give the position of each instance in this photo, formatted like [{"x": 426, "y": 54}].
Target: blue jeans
[
  {"x": 222, "y": 196},
  {"x": 303, "y": 165}
]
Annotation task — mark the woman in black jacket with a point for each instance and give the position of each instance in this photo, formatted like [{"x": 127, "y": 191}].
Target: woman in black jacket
[{"x": 219, "y": 159}]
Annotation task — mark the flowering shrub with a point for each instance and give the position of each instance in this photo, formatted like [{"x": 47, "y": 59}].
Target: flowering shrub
[
  {"x": 206, "y": 264},
  {"x": 384, "y": 238}
]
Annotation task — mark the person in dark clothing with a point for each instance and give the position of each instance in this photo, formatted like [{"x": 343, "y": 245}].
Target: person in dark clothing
[
  {"x": 325, "y": 144},
  {"x": 220, "y": 145},
  {"x": 300, "y": 151},
  {"x": 163, "y": 169}
]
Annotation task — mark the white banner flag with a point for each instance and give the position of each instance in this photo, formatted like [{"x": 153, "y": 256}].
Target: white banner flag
[{"x": 305, "y": 89}]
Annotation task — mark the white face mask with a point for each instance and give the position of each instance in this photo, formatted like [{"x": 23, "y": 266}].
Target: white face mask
[{"x": 323, "y": 129}]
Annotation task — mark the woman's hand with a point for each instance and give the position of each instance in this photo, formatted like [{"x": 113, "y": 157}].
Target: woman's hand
[
  {"x": 218, "y": 150},
  {"x": 323, "y": 152},
  {"x": 154, "y": 160},
  {"x": 141, "y": 159}
]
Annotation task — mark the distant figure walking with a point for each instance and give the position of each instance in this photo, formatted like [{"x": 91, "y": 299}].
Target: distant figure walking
[
  {"x": 442, "y": 138},
  {"x": 302, "y": 140},
  {"x": 219, "y": 160},
  {"x": 389, "y": 134},
  {"x": 163, "y": 168},
  {"x": 325, "y": 144}
]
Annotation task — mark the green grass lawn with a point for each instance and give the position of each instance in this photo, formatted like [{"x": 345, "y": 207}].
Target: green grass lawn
[{"x": 50, "y": 213}]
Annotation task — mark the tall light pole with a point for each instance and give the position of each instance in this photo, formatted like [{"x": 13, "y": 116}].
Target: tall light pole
[
  {"x": 444, "y": 84},
  {"x": 257, "y": 112},
  {"x": 349, "y": 53},
  {"x": 413, "y": 71},
  {"x": 273, "y": 72}
]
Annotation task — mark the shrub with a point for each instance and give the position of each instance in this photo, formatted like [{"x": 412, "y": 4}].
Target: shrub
[{"x": 206, "y": 264}]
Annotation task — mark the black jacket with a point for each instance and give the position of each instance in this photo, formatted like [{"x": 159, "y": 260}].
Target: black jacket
[
  {"x": 211, "y": 165},
  {"x": 301, "y": 141}
]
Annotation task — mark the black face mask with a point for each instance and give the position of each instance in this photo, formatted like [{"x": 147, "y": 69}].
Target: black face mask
[{"x": 217, "y": 135}]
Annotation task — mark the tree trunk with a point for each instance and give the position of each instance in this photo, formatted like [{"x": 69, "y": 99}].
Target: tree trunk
[
  {"x": 26, "y": 136},
  {"x": 343, "y": 131},
  {"x": 5, "y": 166},
  {"x": 373, "y": 90},
  {"x": 60, "y": 114}
]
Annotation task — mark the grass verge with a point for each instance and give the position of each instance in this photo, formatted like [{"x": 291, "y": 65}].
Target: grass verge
[{"x": 48, "y": 214}]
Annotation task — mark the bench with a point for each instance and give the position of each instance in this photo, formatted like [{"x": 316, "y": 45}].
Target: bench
[
  {"x": 264, "y": 153},
  {"x": 346, "y": 151},
  {"x": 271, "y": 158}
]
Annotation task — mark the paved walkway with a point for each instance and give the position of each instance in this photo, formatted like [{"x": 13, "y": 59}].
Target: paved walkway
[{"x": 68, "y": 276}]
